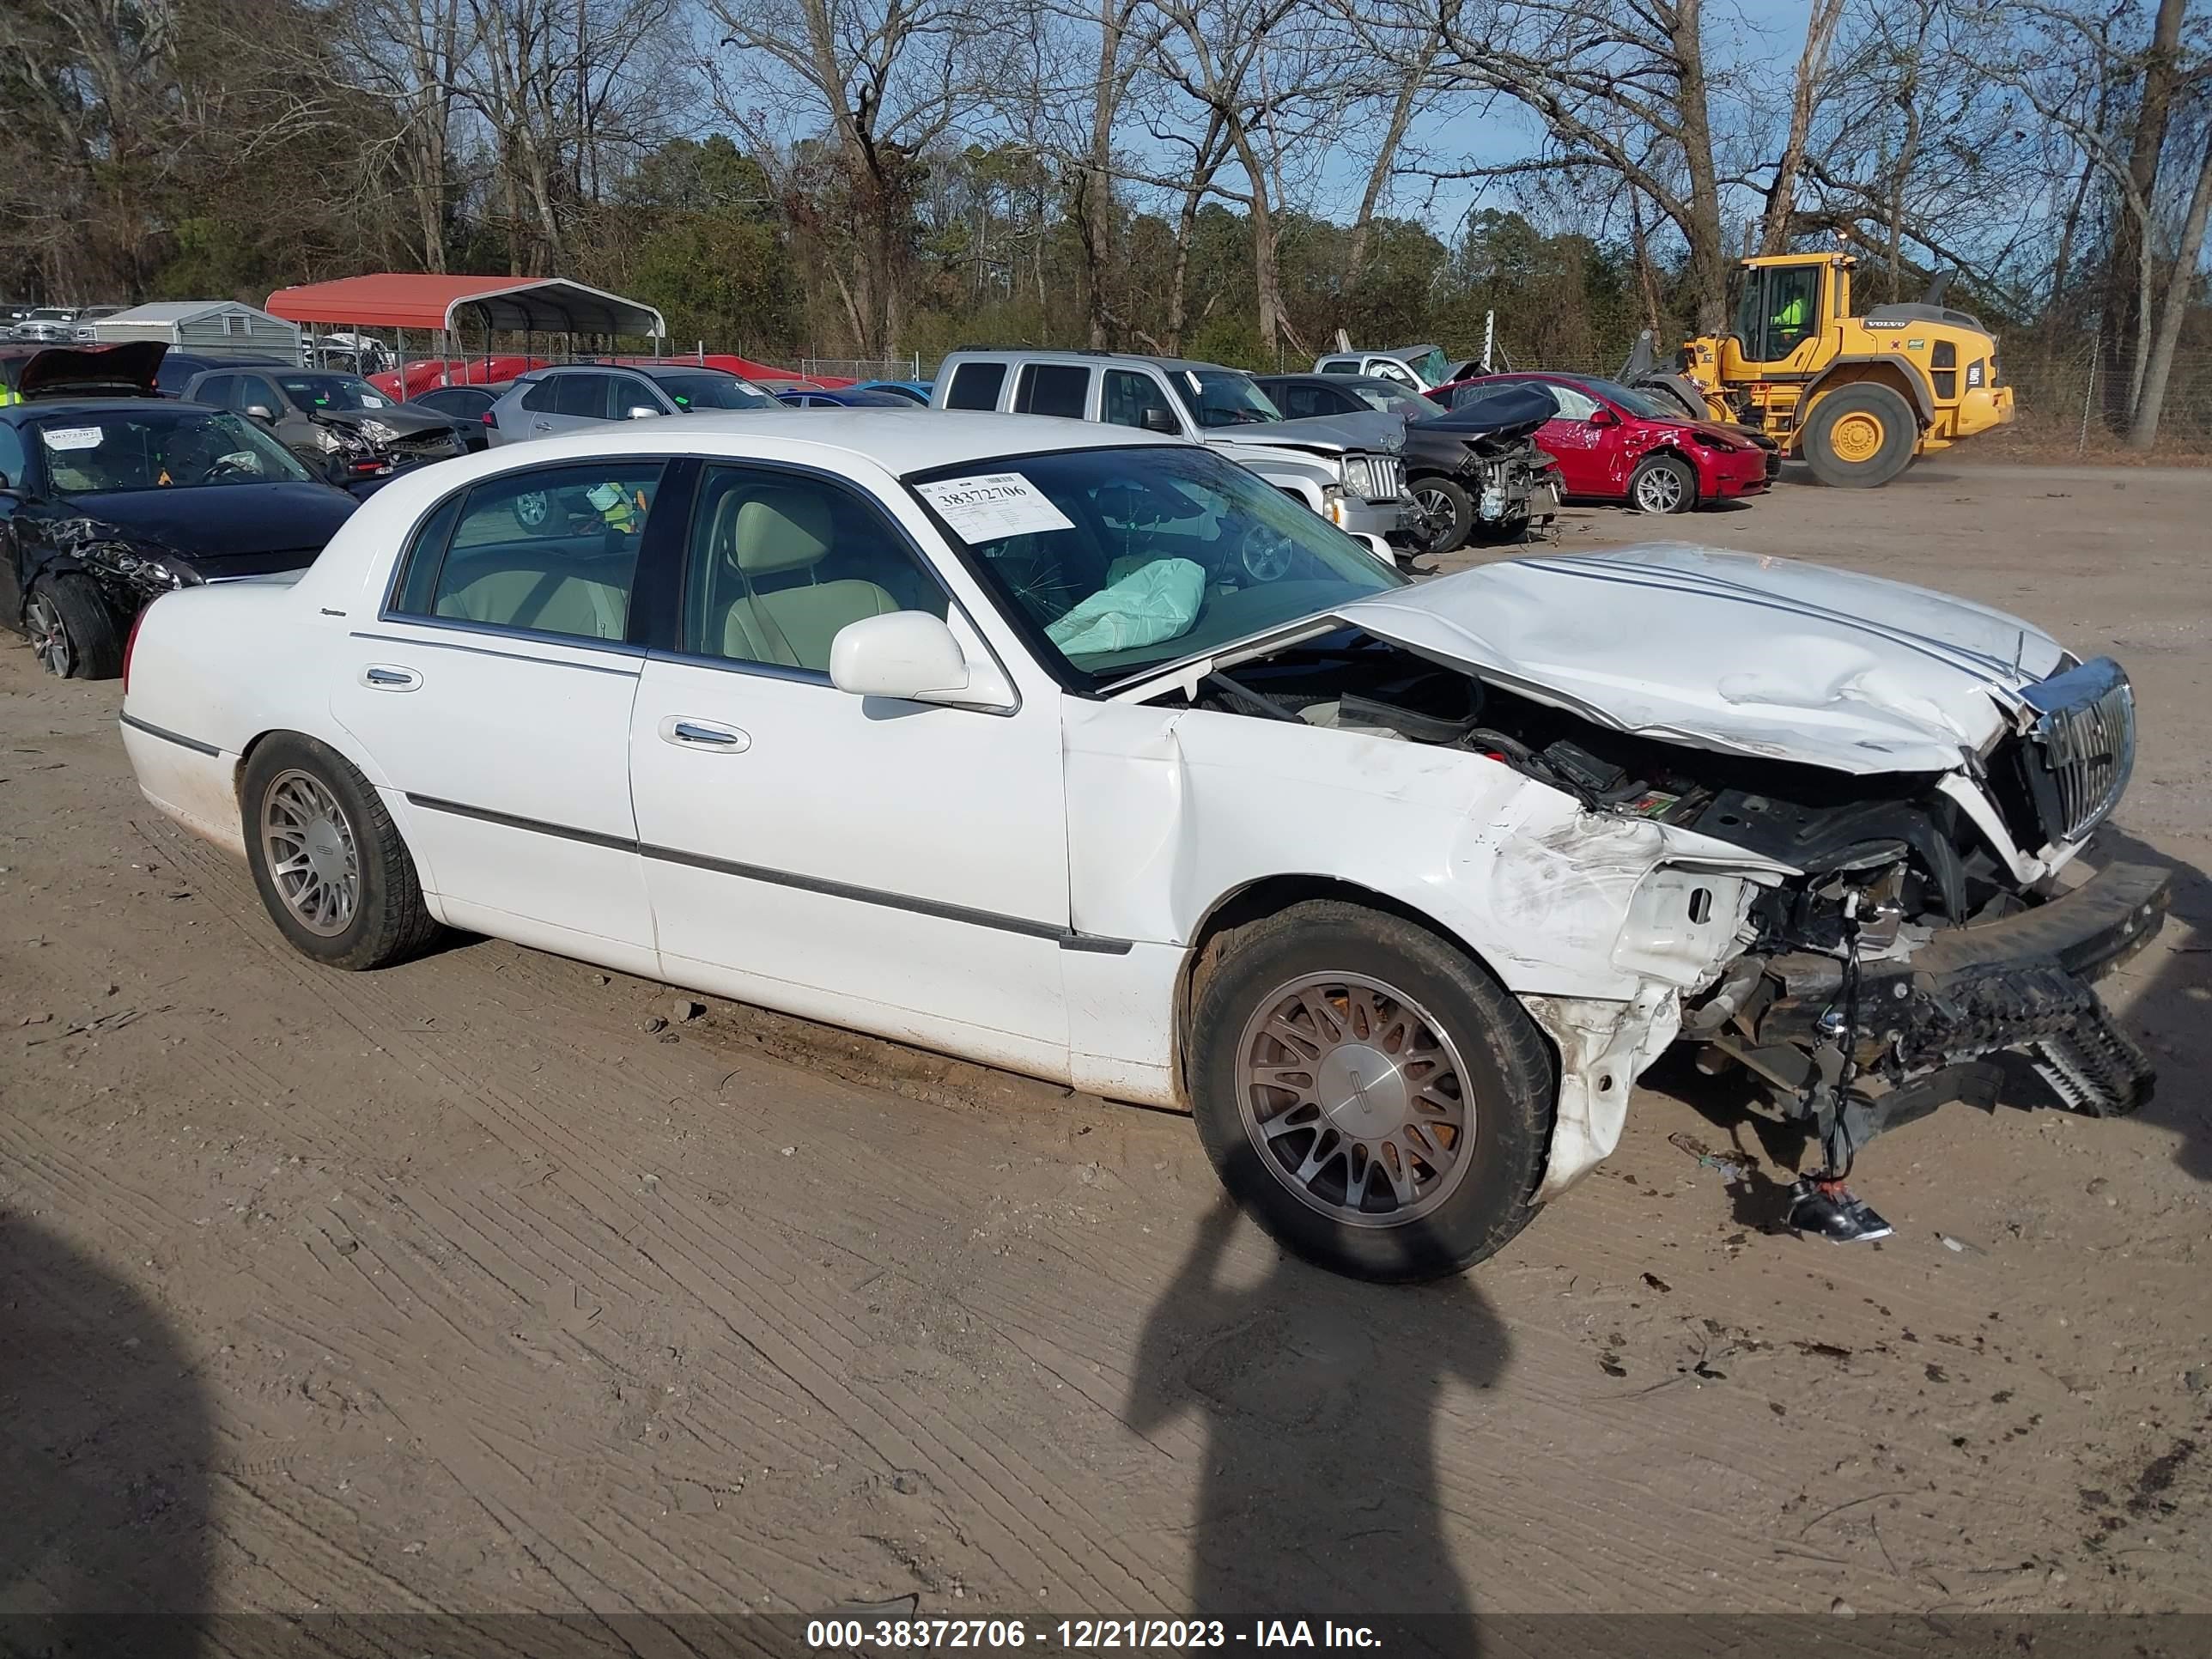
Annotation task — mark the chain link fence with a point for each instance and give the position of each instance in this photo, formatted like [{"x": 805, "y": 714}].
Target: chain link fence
[{"x": 862, "y": 368}]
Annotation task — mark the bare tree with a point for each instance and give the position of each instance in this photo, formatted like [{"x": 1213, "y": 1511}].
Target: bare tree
[
  {"x": 1624, "y": 93},
  {"x": 1805, "y": 94},
  {"x": 2150, "y": 404},
  {"x": 880, "y": 81},
  {"x": 1260, "y": 70}
]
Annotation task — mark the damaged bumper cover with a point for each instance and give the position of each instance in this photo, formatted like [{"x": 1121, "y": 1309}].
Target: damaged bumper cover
[{"x": 1931, "y": 1022}]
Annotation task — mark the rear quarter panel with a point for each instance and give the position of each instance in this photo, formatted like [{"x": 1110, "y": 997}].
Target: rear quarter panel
[{"x": 214, "y": 668}]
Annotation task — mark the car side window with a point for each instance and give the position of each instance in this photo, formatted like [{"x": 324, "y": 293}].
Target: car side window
[
  {"x": 549, "y": 552},
  {"x": 1573, "y": 405},
  {"x": 539, "y": 397},
  {"x": 216, "y": 389},
  {"x": 631, "y": 392},
  {"x": 13, "y": 458},
  {"x": 251, "y": 390},
  {"x": 975, "y": 385},
  {"x": 777, "y": 564},
  {"x": 584, "y": 395},
  {"x": 1053, "y": 389},
  {"x": 1300, "y": 403},
  {"x": 1128, "y": 395}
]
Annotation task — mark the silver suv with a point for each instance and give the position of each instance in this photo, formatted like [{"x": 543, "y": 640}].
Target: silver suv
[
  {"x": 1347, "y": 472},
  {"x": 568, "y": 398}
]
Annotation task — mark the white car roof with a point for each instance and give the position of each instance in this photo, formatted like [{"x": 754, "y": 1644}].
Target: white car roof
[
  {"x": 854, "y": 442},
  {"x": 891, "y": 438}
]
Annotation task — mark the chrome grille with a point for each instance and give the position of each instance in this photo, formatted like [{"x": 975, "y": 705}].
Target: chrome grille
[
  {"x": 1387, "y": 478},
  {"x": 2085, "y": 734}
]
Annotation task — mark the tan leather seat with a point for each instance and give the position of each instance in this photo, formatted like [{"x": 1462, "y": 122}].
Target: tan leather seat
[
  {"x": 589, "y": 599},
  {"x": 761, "y": 533}
]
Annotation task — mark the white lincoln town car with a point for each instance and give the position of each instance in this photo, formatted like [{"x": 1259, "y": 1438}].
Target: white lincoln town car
[{"x": 1085, "y": 753}]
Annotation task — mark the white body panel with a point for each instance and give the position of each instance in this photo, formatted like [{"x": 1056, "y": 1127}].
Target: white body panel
[
  {"x": 929, "y": 811},
  {"x": 1023, "y": 886}
]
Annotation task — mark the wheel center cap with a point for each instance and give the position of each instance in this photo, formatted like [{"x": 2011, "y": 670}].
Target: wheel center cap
[
  {"x": 325, "y": 850},
  {"x": 1360, "y": 1088}
]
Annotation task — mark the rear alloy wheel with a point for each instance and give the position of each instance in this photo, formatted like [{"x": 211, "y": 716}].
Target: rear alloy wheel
[
  {"x": 72, "y": 631},
  {"x": 327, "y": 859},
  {"x": 534, "y": 511},
  {"x": 1663, "y": 484},
  {"x": 1380, "y": 1104},
  {"x": 1447, "y": 511},
  {"x": 1860, "y": 437}
]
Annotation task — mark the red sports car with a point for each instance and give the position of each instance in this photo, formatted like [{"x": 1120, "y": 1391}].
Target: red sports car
[{"x": 1614, "y": 443}]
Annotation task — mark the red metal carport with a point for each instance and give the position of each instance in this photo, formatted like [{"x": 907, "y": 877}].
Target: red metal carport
[
  {"x": 539, "y": 304},
  {"x": 440, "y": 304}
]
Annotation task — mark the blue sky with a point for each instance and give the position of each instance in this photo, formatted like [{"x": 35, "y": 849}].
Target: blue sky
[{"x": 1740, "y": 33}]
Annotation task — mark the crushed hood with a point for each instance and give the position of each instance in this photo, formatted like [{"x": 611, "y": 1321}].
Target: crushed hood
[
  {"x": 1733, "y": 652},
  {"x": 1333, "y": 434}
]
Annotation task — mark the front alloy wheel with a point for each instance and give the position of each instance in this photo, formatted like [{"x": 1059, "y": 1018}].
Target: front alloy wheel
[
  {"x": 1355, "y": 1093},
  {"x": 1371, "y": 1095},
  {"x": 50, "y": 641}
]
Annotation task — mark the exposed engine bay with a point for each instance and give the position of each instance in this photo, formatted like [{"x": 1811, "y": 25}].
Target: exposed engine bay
[{"x": 1888, "y": 975}]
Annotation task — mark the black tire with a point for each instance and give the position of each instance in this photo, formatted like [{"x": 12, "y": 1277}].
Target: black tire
[
  {"x": 1663, "y": 484},
  {"x": 72, "y": 628},
  {"x": 1835, "y": 448},
  {"x": 1501, "y": 1055},
  {"x": 389, "y": 922},
  {"x": 1455, "y": 502}
]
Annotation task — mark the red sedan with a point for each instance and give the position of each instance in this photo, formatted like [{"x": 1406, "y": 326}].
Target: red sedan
[{"x": 1614, "y": 443}]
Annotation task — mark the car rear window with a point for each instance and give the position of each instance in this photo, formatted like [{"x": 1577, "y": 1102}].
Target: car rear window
[{"x": 975, "y": 385}]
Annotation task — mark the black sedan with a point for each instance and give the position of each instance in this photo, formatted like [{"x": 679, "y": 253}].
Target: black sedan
[
  {"x": 465, "y": 406},
  {"x": 107, "y": 503}
]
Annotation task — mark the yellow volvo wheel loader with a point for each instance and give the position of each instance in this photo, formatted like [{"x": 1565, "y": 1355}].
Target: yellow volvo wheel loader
[{"x": 1856, "y": 398}]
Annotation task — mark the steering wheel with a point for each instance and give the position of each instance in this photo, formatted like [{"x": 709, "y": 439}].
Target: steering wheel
[{"x": 1266, "y": 553}]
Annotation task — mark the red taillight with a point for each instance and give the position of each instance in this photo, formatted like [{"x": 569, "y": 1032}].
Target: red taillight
[
  {"x": 130, "y": 644},
  {"x": 488, "y": 421}
]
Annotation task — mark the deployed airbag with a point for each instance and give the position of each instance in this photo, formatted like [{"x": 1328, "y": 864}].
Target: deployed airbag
[{"x": 1156, "y": 601}]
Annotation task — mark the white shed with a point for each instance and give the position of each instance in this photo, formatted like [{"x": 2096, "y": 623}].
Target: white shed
[{"x": 206, "y": 328}]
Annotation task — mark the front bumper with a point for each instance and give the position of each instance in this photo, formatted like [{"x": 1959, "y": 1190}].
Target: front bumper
[
  {"x": 1392, "y": 520},
  {"x": 2022, "y": 984}
]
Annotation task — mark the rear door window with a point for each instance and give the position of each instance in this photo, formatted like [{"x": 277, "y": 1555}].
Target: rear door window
[
  {"x": 540, "y": 395},
  {"x": 1053, "y": 389},
  {"x": 216, "y": 389},
  {"x": 584, "y": 396},
  {"x": 975, "y": 385},
  {"x": 549, "y": 551}
]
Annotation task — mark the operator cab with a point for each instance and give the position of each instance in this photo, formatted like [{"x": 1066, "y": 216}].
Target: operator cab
[{"x": 1781, "y": 305}]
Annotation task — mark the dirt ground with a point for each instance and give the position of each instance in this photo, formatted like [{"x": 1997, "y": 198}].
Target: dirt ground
[{"x": 472, "y": 1285}]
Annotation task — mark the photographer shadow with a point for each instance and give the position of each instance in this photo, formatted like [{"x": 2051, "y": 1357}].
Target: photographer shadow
[
  {"x": 1321, "y": 1399},
  {"x": 106, "y": 1436}
]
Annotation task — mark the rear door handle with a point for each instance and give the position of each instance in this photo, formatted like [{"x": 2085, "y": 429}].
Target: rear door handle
[
  {"x": 382, "y": 677},
  {"x": 541, "y": 426},
  {"x": 709, "y": 735}
]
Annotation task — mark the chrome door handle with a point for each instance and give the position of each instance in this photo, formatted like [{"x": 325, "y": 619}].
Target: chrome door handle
[
  {"x": 541, "y": 426},
  {"x": 704, "y": 734},
  {"x": 377, "y": 676}
]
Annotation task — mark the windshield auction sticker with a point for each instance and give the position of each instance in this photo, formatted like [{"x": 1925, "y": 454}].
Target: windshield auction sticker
[
  {"x": 983, "y": 509},
  {"x": 86, "y": 437}
]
